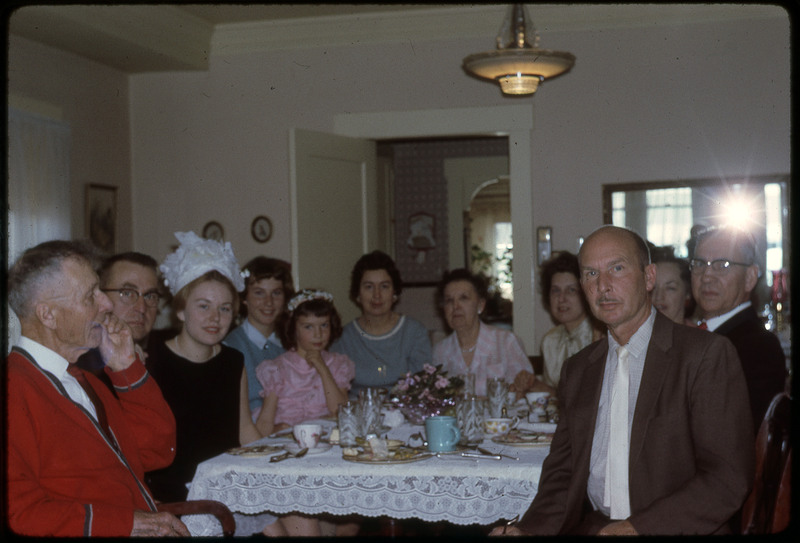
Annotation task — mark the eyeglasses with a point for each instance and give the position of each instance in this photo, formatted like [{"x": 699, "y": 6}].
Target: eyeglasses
[
  {"x": 718, "y": 266},
  {"x": 130, "y": 296}
]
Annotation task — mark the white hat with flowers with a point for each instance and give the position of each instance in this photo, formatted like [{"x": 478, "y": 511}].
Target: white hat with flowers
[{"x": 196, "y": 256}]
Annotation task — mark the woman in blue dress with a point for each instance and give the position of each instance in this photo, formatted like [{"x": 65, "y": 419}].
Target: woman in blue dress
[
  {"x": 268, "y": 288},
  {"x": 384, "y": 344}
]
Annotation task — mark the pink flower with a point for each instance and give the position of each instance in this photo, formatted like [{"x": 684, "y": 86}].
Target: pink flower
[
  {"x": 442, "y": 382},
  {"x": 429, "y": 369}
]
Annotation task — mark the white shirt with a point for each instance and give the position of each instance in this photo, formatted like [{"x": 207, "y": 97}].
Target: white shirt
[
  {"x": 255, "y": 335},
  {"x": 56, "y": 364},
  {"x": 715, "y": 322},
  {"x": 637, "y": 352}
]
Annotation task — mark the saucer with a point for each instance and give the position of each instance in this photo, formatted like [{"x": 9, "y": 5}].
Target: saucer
[{"x": 321, "y": 447}]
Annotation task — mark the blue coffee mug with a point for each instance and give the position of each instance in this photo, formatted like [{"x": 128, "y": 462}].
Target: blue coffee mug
[{"x": 442, "y": 433}]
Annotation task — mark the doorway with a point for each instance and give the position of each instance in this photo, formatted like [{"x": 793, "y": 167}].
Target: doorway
[
  {"x": 448, "y": 193},
  {"x": 514, "y": 122}
]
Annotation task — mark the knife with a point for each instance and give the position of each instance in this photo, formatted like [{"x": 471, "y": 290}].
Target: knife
[
  {"x": 490, "y": 453},
  {"x": 481, "y": 455}
]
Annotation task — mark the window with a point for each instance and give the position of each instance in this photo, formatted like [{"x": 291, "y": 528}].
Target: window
[
  {"x": 669, "y": 218},
  {"x": 664, "y": 212}
]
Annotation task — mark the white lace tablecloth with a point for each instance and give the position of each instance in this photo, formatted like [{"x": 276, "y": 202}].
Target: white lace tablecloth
[{"x": 451, "y": 488}]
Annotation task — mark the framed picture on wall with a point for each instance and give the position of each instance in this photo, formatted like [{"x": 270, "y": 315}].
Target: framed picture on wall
[
  {"x": 420, "y": 242},
  {"x": 101, "y": 217}
]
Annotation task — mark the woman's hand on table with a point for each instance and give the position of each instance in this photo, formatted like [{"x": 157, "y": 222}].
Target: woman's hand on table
[{"x": 523, "y": 382}]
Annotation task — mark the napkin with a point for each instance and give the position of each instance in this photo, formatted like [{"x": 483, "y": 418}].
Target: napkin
[
  {"x": 544, "y": 427},
  {"x": 393, "y": 418}
]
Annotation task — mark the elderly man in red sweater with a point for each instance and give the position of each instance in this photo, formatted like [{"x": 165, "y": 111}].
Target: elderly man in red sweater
[{"x": 76, "y": 454}]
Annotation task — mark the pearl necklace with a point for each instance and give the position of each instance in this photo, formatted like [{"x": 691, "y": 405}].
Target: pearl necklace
[{"x": 470, "y": 349}]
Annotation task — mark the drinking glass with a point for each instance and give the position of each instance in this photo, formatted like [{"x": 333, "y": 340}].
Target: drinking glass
[
  {"x": 369, "y": 415},
  {"x": 469, "y": 385},
  {"x": 348, "y": 424},
  {"x": 469, "y": 412},
  {"x": 496, "y": 391}
]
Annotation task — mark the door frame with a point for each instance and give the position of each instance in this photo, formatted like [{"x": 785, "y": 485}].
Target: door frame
[{"x": 514, "y": 122}]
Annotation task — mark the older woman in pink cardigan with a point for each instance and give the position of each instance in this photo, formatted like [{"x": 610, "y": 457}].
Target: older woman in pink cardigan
[{"x": 474, "y": 347}]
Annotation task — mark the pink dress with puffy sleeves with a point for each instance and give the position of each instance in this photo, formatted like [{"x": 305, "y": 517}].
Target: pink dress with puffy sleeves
[{"x": 298, "y": 386}]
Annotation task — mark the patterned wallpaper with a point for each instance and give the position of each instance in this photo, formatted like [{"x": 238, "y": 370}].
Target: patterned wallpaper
[{"x": 420, "y": 190}]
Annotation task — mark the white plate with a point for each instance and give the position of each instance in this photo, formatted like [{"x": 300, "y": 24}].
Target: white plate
[
  {"x": 254, "y": 450},
  {"x": 294, "y": 448}
]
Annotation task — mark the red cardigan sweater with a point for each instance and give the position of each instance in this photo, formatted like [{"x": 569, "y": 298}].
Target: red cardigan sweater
[{"x": 64, "y": 477}]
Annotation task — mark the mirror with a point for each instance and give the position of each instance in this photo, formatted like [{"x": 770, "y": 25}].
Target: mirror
[{"x": 664, "y": 212}]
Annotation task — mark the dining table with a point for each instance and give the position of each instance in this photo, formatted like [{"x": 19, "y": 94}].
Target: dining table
[{"x": 463, "y": 490}]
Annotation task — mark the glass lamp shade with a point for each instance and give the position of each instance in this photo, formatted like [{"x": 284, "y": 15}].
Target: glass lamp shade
[
  {"x": 518, "y": 83},
  {"x": 519, "y": 68},
  {"x": 517, "y": 64}
]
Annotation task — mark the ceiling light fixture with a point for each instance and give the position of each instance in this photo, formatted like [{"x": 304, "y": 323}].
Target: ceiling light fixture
[{"x": 517, "y": 65}]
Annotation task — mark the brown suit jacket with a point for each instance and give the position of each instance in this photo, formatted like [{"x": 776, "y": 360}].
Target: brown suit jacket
[{"x": 692, "y": 446}]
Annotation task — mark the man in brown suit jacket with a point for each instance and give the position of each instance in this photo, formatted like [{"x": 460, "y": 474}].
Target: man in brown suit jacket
[{"x": 691, "y": 448}]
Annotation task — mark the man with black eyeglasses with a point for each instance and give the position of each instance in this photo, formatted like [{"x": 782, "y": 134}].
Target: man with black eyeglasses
[
  {"x": 130, "y": 280},
  {"x": 724, "y": 274}
]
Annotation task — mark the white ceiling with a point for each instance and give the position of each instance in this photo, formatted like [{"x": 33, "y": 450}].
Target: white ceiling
[
  {"x": 138, "y": 38},
  {"x": 154, "y": 37},
  {"x": 228, "y": 13}
]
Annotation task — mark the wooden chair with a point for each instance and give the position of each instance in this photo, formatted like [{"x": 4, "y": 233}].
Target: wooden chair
[
  {"x": 203, "y": 507},
  {"x": 767, "y": 508}
]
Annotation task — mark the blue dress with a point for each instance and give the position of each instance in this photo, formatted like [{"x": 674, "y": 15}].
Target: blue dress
[
  {"x": 382, "y": 360},
  {"x": 255, "y": 348}
]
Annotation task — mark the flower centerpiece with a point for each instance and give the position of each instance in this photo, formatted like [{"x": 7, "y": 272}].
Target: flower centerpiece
[{"x": 426, "y": 393}]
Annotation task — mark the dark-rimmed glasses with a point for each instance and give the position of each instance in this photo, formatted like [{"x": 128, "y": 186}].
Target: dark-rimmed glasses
[
  {"x": 720, "y": 265},
  {"x": 130, "y": 296}
]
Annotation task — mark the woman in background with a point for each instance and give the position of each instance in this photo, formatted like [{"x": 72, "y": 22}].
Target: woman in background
[
  {"x": 563, "y": 298},
  {"x": 384, "y": 344},
  {"x": 474, "y": 347},
  {"x": 268, "y": 286},
  {"x": 202, "y": 380},
  {"x": 672, "y": 294}
]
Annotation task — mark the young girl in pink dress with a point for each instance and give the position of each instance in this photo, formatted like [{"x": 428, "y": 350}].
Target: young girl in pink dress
[{"x": 306, "y": 382}]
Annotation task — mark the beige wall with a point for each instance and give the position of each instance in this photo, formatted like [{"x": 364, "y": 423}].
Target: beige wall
[
  {"x": 641, "y": 104},
  {"x": 93, "y": 99}
]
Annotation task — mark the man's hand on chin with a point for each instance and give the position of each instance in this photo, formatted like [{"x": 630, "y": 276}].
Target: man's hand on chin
[{"x": 117, "y": 347}]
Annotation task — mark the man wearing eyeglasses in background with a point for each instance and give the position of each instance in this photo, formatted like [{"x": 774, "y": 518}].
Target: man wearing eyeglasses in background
[
  {"x": 130, "y": 280},
  {"x": 724, "y": 274}
]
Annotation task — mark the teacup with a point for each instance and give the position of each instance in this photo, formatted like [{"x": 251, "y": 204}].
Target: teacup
[
  {"x": 307, "y": 434},
  {"x": 537, "y": 398},
  {"x": 499, "y": 426},
  {"x": 442, "y": 432}
]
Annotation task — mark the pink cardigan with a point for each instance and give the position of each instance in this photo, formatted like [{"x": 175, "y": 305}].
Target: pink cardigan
[{"x": 64, "y": 478}]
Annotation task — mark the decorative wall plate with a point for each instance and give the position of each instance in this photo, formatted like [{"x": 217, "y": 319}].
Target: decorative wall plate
[
  {"x": 213, "y": 230},
  {"x": 261, "y": 229}
]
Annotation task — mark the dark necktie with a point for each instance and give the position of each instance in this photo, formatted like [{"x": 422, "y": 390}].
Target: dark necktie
[
  {"x": 703, "y": 326},
  {"x": 76, "y": 372}
]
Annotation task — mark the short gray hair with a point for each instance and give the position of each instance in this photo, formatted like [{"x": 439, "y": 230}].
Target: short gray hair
[
  {"x": 37, "y": 265},
  {"x": 743, "y": 240}
]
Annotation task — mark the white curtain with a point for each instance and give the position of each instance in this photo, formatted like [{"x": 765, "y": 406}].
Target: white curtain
[{"x": 38, "y": 186}]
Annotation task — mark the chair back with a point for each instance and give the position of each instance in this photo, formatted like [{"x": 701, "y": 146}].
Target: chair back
[{"x": 771, "y": 487}]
